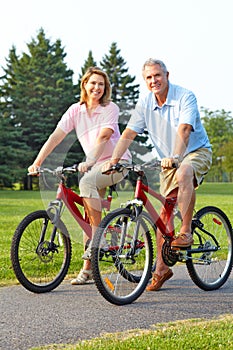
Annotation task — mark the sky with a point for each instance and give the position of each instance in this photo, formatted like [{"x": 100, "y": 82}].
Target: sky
[{"x": 192, "y": 37}]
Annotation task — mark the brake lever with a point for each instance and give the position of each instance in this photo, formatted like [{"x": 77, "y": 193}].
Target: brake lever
[{"x": 115, "y": 167}]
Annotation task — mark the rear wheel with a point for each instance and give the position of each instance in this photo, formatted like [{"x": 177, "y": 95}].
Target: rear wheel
[
  {"x": 39, "y": 264},
  {"x": 122, "y": 256},
  {"x": 211, "y": 268}
]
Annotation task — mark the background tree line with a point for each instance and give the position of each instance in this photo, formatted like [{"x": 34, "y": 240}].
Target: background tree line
[{"x": 37, "y": 88}]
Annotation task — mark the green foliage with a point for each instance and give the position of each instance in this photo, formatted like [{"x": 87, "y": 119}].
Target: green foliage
[
  {"x": 125, "y": 94},
  {"x": 219, "y": 127},
  {"x": 35, "y": 90},
  {"x": 90, "y": 62},
  {"x": 13, "y": 152},
  {"x": 227, "y": 158}
]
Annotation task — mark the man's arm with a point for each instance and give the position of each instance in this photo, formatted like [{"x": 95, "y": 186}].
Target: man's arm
[
  {"x": 181, "y": 143},
  {"x": 182, "y": 139},
  {"x": 122, "y": 145}
]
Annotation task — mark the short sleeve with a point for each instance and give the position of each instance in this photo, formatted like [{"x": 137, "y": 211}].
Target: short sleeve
[
  {"x": 110, "y": 116},
  {"x": 69, "y": 119},
  {"x": 137, "y": 119},
  {"x": 188, "y": 110}
]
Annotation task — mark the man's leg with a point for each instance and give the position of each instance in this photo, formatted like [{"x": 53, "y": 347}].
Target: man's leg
[
  {"x": 186, "y": 202},
  {"x": 162, "y": 272}
]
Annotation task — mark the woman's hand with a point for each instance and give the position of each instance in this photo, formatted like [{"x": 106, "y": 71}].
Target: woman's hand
[
  {"x": 85, "y": 166},
  {"x": 33, "y": 169}
]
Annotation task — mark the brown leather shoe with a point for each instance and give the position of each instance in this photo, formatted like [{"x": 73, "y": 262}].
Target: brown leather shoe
[
  {"x": 158, "y": 281},
  {"x": 183, "y": 240}
]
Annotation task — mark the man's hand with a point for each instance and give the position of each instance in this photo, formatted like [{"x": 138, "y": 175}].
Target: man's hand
[
  {"x": 169, "y": 163},
  {"x": 108, "y": 166}
]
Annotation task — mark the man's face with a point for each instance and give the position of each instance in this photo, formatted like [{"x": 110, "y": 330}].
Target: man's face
[{"x": 156, "y": 80}]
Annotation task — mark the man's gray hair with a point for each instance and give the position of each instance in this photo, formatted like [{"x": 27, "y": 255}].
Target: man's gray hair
[{"x": 152, "y": 62}]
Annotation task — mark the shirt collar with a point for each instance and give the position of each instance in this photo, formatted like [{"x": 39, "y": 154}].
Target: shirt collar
[
  {"x": 83, "y": 108},
  {"x": 170, "y": 100}
]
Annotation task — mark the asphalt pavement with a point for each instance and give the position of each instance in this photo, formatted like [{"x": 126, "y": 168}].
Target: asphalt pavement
[{"x": 72, "y": 313}]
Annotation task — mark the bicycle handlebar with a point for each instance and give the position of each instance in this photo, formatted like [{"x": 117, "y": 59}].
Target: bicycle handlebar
[
  {"x": 137, "y": 168},
  {"x": 58, "y": 171}
]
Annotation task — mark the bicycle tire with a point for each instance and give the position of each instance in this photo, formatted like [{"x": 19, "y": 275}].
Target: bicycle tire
[
  {"x": 121, "y": 275},
  {"x": 36, "y": 268},
  {"x": 210, "y": 270}
]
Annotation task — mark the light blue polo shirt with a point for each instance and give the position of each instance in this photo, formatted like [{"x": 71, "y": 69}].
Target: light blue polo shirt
[{"x": 162, "y": 122}]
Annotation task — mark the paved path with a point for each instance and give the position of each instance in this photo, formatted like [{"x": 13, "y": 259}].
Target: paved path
[{"x": 71, "y": 313}]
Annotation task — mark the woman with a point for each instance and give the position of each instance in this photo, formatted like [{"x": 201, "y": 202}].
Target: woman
[{"x": 95, "y": 120}]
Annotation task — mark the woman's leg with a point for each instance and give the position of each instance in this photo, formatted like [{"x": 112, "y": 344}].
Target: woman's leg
[{"x": 92, "y": 188}]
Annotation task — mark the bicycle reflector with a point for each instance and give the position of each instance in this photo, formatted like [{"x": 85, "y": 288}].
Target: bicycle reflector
[
  {"x": 109, "y": 284},
  {"x": 216, "y": 221}
]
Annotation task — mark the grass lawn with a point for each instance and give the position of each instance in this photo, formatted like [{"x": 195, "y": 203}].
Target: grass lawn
[
  {"x": 195, "y": 334},
  {"x": 14, "y": 205},
  {"x": 190, "y": 334}
]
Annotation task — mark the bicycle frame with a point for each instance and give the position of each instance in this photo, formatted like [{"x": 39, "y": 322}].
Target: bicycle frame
[
  {"x": 71, "y": 199},
  {"x": 168, "y": 203}
]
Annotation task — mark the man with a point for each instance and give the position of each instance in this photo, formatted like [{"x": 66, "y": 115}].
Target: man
[{"x": 170, "y": 114}]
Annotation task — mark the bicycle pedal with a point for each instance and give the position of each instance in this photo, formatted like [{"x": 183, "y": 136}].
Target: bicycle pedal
[{"x": 176, "y": 249}]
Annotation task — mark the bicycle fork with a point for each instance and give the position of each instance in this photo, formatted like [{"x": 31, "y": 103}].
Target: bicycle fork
[{"x": 48, "y": 246}]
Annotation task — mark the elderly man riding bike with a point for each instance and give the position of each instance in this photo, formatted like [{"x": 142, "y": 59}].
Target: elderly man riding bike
[{"x": 170, "y": 114}]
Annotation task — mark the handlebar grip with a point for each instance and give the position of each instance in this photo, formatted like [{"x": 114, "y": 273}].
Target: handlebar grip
[
  {"x": 75, "y": 167},
  {"x": 175, "y": 165},
  {"x": 33, "y": 173},
  {"x": 115, "y": 167}
]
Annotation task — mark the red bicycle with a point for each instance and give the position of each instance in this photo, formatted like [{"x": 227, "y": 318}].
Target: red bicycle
[
  {"x": 41, "y": 246},
  {"x": 123, "y": 266}
]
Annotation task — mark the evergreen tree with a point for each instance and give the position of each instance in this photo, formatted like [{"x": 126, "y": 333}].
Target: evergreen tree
[
  {"x": 12, "y": 153},
  {"x": 35, "y": 91},
  {"x": 125, "y": 94},
  {"x": 90, "y": 62}
]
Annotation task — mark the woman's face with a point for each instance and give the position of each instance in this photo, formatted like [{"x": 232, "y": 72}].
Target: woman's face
[{"x": 95, "y": 86}]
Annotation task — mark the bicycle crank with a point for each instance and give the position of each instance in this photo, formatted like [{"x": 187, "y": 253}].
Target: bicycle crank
[{"x": 170, "y": 257}]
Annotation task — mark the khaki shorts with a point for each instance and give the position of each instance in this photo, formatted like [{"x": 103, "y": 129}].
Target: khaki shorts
[
  {"x": 200, "y": 160},
  {"x": 94, "y": 180}
]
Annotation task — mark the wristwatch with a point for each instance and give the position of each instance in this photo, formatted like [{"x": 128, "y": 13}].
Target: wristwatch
[{"x": 178, "y": 157}]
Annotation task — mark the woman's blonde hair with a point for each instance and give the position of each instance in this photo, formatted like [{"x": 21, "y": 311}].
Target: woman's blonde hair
[{"x": 106, "y": 98}]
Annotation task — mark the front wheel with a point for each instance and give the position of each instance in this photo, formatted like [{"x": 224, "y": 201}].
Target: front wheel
[
  {"x": 212, "y": 233},
  {"x": 122, "y": 255},
  {"x": 40, "y": 264}
]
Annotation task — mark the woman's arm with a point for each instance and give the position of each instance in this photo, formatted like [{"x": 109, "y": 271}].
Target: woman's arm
[
  {"x": 54, "y": 139},
  {"x": 100, "y": 143}
]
